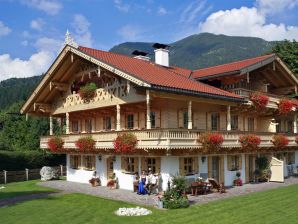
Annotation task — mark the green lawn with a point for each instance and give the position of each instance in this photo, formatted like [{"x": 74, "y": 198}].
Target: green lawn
[
  {"x": 22, "y": 188},
  {"x": 274, "y": 206}
]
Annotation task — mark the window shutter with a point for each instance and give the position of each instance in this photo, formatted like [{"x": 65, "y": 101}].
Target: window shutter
[
  {"x": 158, "y": 162},
  {"x": 229, "y": 162},
  {"x": 240, "y": 162},
  {"x": 79, "y": 125},
  {"x": 180, "y": 119},
  {"x": 136, "y": 164},
  {"x": 124, "y": 164},
  {"x": 123, "y": 124},
  {"x": 142, "y": 120},
  {"x": 181, "y": 164},
  {"x": 223, "y": 121},
  {"x": 80, "y": 165},
  {"x": 195, "y": 164},
  {"x": 210, "y": 166},
  {"x": 195, "y": 120},
  {"x": 70, "y": 126},
  {"x": 135, "y": 121},
  {"x": 255, "y": 123},
  {"x": 157, "y": 119},
  {"x": 221, "y": 169},
  {"x": 113, "y": 123},
  {"x": 240, "y": 123},
  {"x": 208, "y": 121},
  {"x": 143, "y": 164}
]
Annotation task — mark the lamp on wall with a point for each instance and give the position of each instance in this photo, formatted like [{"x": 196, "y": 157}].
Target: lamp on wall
[
  {"x": 99, "y": 157},
  {"x": 203, "y": 158}
]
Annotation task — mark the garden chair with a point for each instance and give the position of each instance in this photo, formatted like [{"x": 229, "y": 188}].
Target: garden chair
[{"x": 215, "y": 185}]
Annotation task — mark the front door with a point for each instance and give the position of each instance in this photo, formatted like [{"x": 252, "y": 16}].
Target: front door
[
  {"x": 250, "y": 167},
  {"x": 110, "y": 167},
  {"x": 216, "y": 168}
]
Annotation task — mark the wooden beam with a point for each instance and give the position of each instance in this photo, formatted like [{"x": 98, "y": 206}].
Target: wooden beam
[
  {"x": 43, "y": 107},
  {"x": 60, "y": 86}
]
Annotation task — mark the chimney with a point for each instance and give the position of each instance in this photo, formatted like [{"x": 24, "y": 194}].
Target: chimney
[
  {"x": 142, "y": 55},
  {"x": 161, "y": 54}
]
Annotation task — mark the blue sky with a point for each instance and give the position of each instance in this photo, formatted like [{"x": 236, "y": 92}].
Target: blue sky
[{"x": 32, "y": 31}]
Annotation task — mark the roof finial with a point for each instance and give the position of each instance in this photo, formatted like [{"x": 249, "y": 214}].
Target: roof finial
[{"x": 69, "y": 40}]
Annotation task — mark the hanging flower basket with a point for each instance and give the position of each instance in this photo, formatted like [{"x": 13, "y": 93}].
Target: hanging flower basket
[
  {"x": 280, "y": 140},
  {"x": 211, "y": 141},
  {"x": 55, "y": 144},
  {"x": 85, "y": 144},
  {"x": 285, "y": 106},
  {"x": 125, "y": 143},
  {"x": 87, "y": 91},
  {"x": 259, "y": 101},
  {"x": 249, "y": 141}
]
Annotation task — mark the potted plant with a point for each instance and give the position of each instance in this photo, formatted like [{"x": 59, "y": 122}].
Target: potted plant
[
  {"x": 125, "y": 143},
  {"x": 87, "y": 91},
  {"x": 250, "y": 141},
  {"x": 280, "y": 141},
  {"x": 211, "y": 141},
  {"x": 238, "y": 180},
  {"x": 94, "y": 181},
  {"x": 85, "y": 144},
  {"x": 285, "y": 106},
  {"x": 55, "y": 144},
  {"x": 259, "y": 101}
]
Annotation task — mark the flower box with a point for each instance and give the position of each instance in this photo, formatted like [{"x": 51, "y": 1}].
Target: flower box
[
  {"x": 85, "y": 144},
  {"x": 87, "y": 91},
  {"x": 125, "y": 143},
  {"x": 55, "y": 144},
  {"x": 285, "y": 106},
  {"x": 250, "y": 141},
  {"x": 280, "y": 141},
  {"x": 211, "y": 141},
  {"x": 259, "y": 101}
]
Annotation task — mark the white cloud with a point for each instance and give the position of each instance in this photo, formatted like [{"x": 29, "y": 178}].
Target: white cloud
[
  {"x": 48, "y": 44},
  {"x": 4, "y": 30},
  {"x": 193, "y": 11},
  {"x": 121, "y": 6},
  {"x": 37, "y": 64},
  {"x": 51, "y": 7},
  {"x": 162, "y": 11},
  {"x": 275, "y": 6},
  {"x": 246, "y": 22},
  {"x": 82, "y": 34},
  {"x": 37, "y": 24},
  {"x": 130, "y": 33}
]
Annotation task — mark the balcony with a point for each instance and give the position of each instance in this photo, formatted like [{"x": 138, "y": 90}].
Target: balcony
[{"x": 163, "y": 139}]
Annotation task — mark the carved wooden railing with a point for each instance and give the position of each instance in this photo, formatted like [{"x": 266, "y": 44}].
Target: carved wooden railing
[{"x": 163, "y": 139}]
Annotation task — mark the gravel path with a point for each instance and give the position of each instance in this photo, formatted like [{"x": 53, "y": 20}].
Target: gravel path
[{"x": 128, "y": 196}]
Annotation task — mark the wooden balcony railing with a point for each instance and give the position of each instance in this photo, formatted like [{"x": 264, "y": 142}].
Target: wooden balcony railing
[{"x": 163, "y": 139}]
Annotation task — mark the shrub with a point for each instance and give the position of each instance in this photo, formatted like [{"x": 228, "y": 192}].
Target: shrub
[
  {"x": 125, "y": 143},
  {"x": 85, "y": 144},
  {"x": 55, "y": 144},
  {"x": 280, "y": 140},
  {"x": 285, "y": 106},
  {"x": 211, "y": 141},
  {"x": 259, "y": 101},
  {"x": 87, "y": 91},
  {"x": 250, "y": 141}
]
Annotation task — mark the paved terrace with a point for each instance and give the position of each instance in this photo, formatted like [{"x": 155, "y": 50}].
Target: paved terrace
[{"x": 150, "y": 200}]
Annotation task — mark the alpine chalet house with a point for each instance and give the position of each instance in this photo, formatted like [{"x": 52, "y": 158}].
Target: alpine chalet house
[{"x": 124, "y": 114}]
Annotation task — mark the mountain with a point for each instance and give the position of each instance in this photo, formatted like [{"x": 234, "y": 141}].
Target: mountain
[{"x": 204, "y": 50}]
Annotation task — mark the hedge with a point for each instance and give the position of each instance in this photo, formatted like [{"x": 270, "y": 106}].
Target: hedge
[{"x": 19, "y": 160}]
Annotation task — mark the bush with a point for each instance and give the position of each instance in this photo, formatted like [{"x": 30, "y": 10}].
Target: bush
[
  {"x": 178, "y": 203},
  {"x": 16, "y": 160}
]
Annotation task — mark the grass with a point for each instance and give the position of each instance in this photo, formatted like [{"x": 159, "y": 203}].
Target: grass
[
  {"x": 23, "y": 188},
  {"x": 273, "y": 206}
]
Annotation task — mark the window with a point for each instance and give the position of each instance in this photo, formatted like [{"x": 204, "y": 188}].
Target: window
[
  {"x": 129, "y": 164},
  {"x": 75, "y": 126},
  {"x": 251, "y": 124},
  {"x": 234, "y": 122},
  {"x": 234, "y": 162},
  {"x": 151, "y": 164},
  {"x": 188, "y": 165},
  {"x": 153, "y": 119},
  {"x": 107, "y": 123},
  {"x": 75, "y": 161},
  {"x": 214, "y": 121},
  {"x": 185, "y": 119},
  {"x": 88, "y": 125},
  {"x": 278, "y": 126},
  {"x": 130, "y": 124},
  {"x": 89, "y": 162},
  {"x": 290, "y": 126},
  {"x": 290, "y": 158}
]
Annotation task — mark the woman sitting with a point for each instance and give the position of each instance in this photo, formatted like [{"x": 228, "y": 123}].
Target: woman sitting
[
  {"x": 142, "y": 184},
  {"x": 112, "y": 182}
]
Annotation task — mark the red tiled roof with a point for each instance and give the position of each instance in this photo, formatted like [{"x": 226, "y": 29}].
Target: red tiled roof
[
  {"x": 158, "y": 76},
  {"x": 229, "y": 67}
]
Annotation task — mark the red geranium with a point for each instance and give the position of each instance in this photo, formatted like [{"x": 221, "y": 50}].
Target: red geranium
[
  {"x": 259, "y": 101},
  {"x": 85, "y": 144},
  {"x": 285, "y": 106},
  {"x": 55, "y": 144},
  {"x": 211, "y": 140},
  {"x": 280, "y": 141},
  {"x": 125, "y": 143},
  {"x": 250, "y": 141}
]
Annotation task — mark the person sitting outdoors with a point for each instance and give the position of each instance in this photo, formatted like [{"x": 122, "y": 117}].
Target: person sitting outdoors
[
  {"x": 152, "y": 182},
  {"x": 136, "y": 179},
  {"x": 142, "y": 183},
  {"x": 112, "y": 182}
]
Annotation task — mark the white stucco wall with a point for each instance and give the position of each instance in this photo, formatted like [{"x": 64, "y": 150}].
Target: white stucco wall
[
  {"x": 125, "y": 181},
  {"x": 230, "y": 176}
]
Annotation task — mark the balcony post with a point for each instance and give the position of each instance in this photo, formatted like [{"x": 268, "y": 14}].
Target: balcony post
[
  {"x": 295, "y": 124},
  {"x": 51, "y": 125},
  {"x": 67, "y": 123},
  {"x": 118, "y": 122},
  {"x": 228, "y": 118},
  {"x": 189, "y": 115},
  {"x": 148, "y": 124}
]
